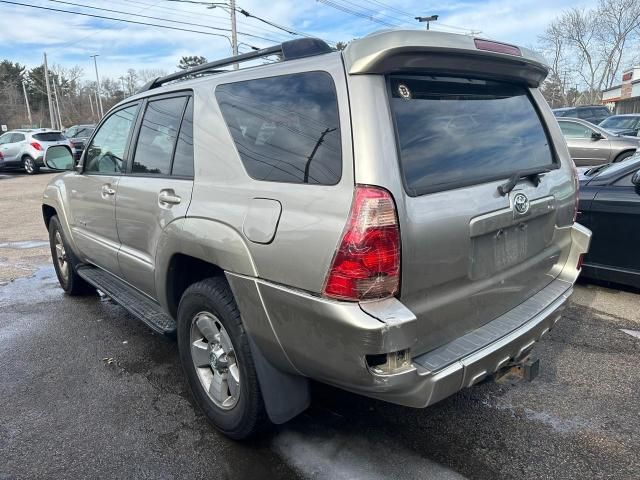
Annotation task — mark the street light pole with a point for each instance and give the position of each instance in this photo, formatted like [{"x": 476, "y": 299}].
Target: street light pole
[
  {"x": 95, "y": 64},
  {"x": 427, "y": 20}
]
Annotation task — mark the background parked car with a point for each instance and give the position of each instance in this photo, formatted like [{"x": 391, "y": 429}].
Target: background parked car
[
  {"x": 627, "y": 124},
  {"x": 591, "y": 145},
  {"x": 25, "y": 148},
  {"x": 610, "y": 207},
  {"x": 591, "y": 113},
  {"x": 79, "y": 135}
]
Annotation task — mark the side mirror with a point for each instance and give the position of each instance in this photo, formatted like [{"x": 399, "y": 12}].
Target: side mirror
[
  {"x": 636, "y": 179},
  {"x": 596, "y": 136},
  {"x": 59, "y": 158}
]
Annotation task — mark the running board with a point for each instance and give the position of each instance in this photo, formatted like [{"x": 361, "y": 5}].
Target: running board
[{"x": 137, "y": 304}]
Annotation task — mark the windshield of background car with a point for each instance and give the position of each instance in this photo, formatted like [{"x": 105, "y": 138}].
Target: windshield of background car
[
  {"x": 620, "y": 122},
  {"x": 454, "y": 132},
  {"x": 49, "y": 137}
]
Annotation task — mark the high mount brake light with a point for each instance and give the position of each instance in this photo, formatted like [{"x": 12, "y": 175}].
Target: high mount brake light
[
  {"x": 367, "y": 263},
  {"x": 497, "y": 47}
]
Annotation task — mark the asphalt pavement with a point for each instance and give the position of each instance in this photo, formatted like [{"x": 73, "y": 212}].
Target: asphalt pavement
[{"x": 86, "y": 391}]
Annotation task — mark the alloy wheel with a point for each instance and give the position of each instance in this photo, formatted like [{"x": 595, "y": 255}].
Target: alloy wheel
[{"x": 215, "y": 361}]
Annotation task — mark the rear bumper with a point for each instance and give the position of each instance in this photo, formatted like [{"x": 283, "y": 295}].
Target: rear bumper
[{"x": 329, "y": 341}]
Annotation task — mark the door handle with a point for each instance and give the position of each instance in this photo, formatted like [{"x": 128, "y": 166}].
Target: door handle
[
  {"x": 168, "y": 197},
  {"x": 107, "y": 190}
]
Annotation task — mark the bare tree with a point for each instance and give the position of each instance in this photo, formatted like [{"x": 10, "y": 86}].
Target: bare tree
[{"x": 590, "y": 46}]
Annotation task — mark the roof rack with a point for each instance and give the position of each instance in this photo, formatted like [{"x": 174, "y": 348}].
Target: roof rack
[{"x": 290, "y": 50}]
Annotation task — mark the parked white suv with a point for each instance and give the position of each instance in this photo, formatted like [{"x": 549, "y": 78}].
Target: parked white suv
[{"x": 24, "y": 148}]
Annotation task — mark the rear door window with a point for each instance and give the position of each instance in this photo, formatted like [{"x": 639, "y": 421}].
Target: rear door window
[
  {"x": 575, "y": 130},
  {"x": 286, "y": 128},
  {"x": 17, "y": 137},
  {"x": 158, "y": 134},
  {"x": 183, "y": 159},
  {"x": 454, "y": 132},
  {"x": 49, "y": 136}
]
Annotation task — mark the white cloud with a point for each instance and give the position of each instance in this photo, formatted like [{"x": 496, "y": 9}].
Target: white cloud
[{"x": 69, "y": 39}]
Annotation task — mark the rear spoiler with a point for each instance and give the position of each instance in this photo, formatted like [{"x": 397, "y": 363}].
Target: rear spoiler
[{"x": 414, "y": 51}]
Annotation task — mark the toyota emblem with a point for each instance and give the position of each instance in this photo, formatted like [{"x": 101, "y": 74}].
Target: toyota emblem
[{"x": 521, "y": 203}]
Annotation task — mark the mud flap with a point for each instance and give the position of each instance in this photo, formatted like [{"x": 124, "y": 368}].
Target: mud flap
[{"x": 285, "y": 396}]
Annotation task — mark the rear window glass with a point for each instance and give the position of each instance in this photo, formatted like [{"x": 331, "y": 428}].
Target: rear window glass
[
  {"x": 49, "y": 136},
  {"x": 454, "y": 132},
  {"x": 286, "y": 128}
]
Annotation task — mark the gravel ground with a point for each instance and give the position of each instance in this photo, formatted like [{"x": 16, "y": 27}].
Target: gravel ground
[{"x": 87, "y": 391}]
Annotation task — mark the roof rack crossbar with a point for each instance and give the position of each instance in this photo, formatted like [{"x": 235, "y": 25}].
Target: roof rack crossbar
[{"x": 299, "y": 48}]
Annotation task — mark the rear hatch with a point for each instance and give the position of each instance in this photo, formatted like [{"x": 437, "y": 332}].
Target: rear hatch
[
  {"x": 470, "y": 252},
  {"x": 48, "y": 139}
]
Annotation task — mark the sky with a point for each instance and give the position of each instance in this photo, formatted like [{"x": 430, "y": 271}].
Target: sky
[{"x": 69, "y": 40}]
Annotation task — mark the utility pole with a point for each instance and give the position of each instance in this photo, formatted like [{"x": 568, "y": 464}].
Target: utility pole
[
  {"x": 93, "y": 115},
  {"x": 124, "y": 95},
  {"x": 55, "y": 92},
  {"x": 234, "y": 33},
  {"x": 26, "y": 101},
  {"x": 46, "y": 79},
  {"x": 95, "y": 64}
]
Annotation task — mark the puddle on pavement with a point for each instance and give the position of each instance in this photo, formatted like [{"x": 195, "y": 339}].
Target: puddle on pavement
[
  {"x": 23, "y": 245},
  {"x": 560, "y": 425},
  {"x": 39, "y": 287}
]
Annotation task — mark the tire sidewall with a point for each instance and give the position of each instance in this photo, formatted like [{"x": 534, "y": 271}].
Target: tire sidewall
[
  {"x": 33, "y": 164},
  {"x": 232, "y": 420},
  {"x": 54, "y": 226}
]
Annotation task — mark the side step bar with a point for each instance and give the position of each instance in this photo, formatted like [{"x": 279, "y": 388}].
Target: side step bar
[{"x": 130, "y": 299}]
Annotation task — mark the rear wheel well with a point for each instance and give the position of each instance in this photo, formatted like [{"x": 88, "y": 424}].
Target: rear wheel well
[
  {"x": 184, "y": 271},
  {"x": 623, "y": 155},
  {"x": 47, "y": 213}
]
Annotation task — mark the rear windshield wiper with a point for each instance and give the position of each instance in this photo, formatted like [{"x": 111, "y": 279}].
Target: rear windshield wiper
[{"x": 510, "y": 184}]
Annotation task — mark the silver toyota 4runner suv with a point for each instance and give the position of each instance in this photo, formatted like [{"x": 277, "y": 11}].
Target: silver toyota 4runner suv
[{"x": 396, "y": 219}]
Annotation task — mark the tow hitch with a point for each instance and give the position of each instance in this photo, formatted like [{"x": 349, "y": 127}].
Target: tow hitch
[{"x": 515, "y": 372}]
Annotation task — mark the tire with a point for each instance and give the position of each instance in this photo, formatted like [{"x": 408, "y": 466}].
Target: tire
[
  {"x": 64, "y": 262},
  {"x": 623, "y": 156},
  {"x": 209, "y": 305},
  {"x": 29, "y": 165}
]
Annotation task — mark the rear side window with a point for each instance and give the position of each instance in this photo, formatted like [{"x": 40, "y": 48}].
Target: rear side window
[
  {"x": 157, "y": 137},
  {"x": 454, "y": 132},
  {"x": 49, "y": 136},
  {"x": 17, "y": 137},
  {"x": 286, "y": 128}
]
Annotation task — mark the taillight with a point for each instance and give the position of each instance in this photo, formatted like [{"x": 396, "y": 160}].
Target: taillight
[
  {"x": 36, "y": 145},
  {"x": 580, "y": 261},
  {"x": 367, "y": 263}
]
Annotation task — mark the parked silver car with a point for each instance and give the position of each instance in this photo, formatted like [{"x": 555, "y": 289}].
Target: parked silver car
[
  {"x": 24, "y": 148},
  {"x": 591, "y": 145},
  {"x": 345, "y": 216}
]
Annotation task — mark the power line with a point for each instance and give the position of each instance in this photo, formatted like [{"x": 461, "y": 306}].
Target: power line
[
  {"x": 355, "y": 13},
  {"x": 191, "y": 14},
  {"x": 157, "y": 18},
  {"x": 112, "y": 18}
]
